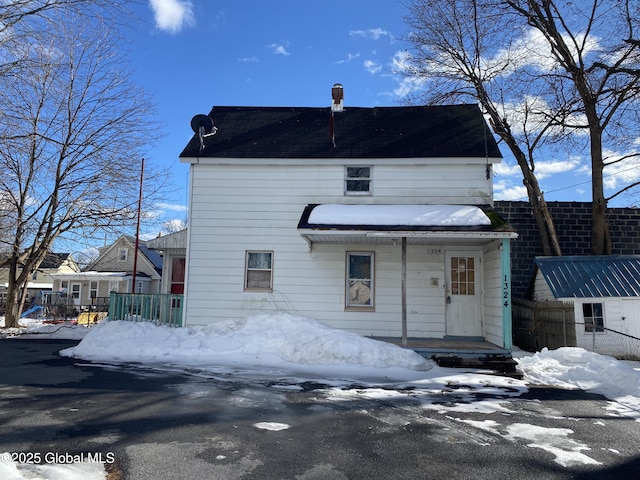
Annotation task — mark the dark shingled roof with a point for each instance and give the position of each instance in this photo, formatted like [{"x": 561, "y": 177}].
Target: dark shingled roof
[
  {"x": 380, "y": 132},
  {"x": 592, "y": 276},
  {"x": 54, "y": 260}
]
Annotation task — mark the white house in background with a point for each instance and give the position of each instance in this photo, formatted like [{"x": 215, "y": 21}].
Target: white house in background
[
  {"x": 173, "y": 249},
  {"x": 374, "y": 220},
  {"x": 605, "y": 292},
  {"x": 111, "y": 271}
]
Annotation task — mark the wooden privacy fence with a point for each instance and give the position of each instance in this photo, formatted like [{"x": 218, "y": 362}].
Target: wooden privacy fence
[
  {"x": 548, "y": 324},
  {"x": 159, "y": 309}
]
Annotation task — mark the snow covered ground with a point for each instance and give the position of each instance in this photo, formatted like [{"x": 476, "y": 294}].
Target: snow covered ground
[{"x": 285, "y": 346}]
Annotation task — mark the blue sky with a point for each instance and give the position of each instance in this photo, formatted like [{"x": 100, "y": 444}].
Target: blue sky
[{"x": 191, "y": 55}]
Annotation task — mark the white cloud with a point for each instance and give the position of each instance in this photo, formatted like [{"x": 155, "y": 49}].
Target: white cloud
[
  {"x": 279, "y": 49},
  {"x": 530, "y": 114},
  {"x": 248, "y": 60},
  {"x": 543, "y": 169},
  {"x": 372, "y": 33},
  {"x": 547, "y": 169},
  {"x": 350, "y": 56},
  {"x": 172, "y": 226},
  {"x": 622, "y": 173},
  {"x": 407, "y": 84},
  {"x": 533, "y": 49},
  {"x": 504, "y": 169},
  {"x": 172, "y": 15},
  {"x": 172, "y": 206},
  {"x": 503, "y": 190},
  {"x": 372, "y": 67}
]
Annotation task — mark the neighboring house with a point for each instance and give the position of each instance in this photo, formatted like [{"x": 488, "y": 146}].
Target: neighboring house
[
  {"x": 374, "y": 220},
  {"x": 572, "y": 221},
  {"x": 173, "y": 249},
  {"x": 41, "y": 282},
  {"x": 605, "y": 293},
  {"x": 111, "y": 271}
]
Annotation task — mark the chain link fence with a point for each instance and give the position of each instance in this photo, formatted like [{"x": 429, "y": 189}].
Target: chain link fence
[
  {"x": 552, "y": 324},
  {"x": 58, "y": 312},
  {"x": 607, "y": 341}
]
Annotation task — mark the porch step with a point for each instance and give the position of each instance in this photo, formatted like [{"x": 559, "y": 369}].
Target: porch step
[{"x": 500, "y": 363}]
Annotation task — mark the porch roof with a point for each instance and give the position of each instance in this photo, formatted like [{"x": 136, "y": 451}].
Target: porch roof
[
  {"x": 419, "y": 224},
  {"x": 97, "y": 276}
]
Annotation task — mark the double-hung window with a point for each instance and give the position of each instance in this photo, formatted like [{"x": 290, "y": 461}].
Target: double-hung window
[
  {"x": 360, "y": 278},
  {"x": 357, "y": 180},
  {"x": 593, "y": 317},
  {"x": 258, "y": 273}
]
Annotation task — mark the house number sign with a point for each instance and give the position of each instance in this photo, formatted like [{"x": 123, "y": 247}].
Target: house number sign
[{"x": 505, "y": 291}]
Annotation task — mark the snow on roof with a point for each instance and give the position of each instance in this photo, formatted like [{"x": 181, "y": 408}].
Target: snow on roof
[
  {"x": 92, "y": 274},
  {"x": 409, "y": 215}
]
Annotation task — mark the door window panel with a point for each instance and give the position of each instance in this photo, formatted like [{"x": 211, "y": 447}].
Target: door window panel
[{"x": 463, "y": 276}]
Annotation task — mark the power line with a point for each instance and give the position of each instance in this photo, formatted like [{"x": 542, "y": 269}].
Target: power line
[{"x": 583, "y": 183}]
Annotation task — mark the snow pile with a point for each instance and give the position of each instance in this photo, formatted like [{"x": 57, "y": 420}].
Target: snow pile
[
  {"x": 576, "y": 368},
  {"x": 34, "y": 471},
  {"x": 34, "y": 328},
  {"x": 281, "y": 341},
  {"x": 407, "y": 215}
]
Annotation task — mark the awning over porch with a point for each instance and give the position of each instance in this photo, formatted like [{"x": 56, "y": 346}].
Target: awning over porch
[{"x": 418, "y": 224}]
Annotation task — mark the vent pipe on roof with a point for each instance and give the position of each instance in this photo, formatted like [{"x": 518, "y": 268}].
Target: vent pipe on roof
[{"x": 337, "y": 95}]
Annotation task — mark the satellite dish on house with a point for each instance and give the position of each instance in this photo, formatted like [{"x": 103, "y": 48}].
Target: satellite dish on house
[{"x": 203, "y": 126}]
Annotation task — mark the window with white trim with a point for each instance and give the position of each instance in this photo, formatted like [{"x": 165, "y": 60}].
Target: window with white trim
[
  {"x": 357, "y": 180},
  {"x": 593, "y": 317},
  {"x": 258, "y": 272},
  {"x": 123, "y": 254},
  {"x": 359, "y": 284}
]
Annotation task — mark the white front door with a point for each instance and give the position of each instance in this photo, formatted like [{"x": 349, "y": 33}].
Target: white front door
[
  {"x": 75, "y": 293},
  {"x": 630, "y": 318},
  {"x": 464, "y": 299}
]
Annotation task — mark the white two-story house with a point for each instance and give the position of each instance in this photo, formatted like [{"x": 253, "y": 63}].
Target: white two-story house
[{"x": 375, "y": 220}]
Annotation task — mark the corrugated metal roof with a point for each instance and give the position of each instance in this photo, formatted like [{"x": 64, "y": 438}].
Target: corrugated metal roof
[{"x": 591, "y": 276}]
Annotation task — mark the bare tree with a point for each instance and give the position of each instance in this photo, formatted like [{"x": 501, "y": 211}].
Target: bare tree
[
  {"x": 595, "y": 46},
  {"x": 14, "y": 12},
  {"x": 546, "y": 72},
  {"x": 455, "y": 45},
  {"x": 73, "y": 131}
]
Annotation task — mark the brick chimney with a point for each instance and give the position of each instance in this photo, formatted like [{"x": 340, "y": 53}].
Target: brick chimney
[{"x": 337, "y": 95}]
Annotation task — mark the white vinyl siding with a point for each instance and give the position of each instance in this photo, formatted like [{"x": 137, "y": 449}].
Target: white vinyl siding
[
  {"x": 255, "y": 205},
  {"x": 492, "y": 297}
]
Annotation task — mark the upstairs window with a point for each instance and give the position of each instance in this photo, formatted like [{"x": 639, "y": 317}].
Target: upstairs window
[
  {"x": 123, "y": 255},
  {"x": 258, "y": 273},
  {"x": 593, "y": 317},
  {"x": 357, "y": 181}
]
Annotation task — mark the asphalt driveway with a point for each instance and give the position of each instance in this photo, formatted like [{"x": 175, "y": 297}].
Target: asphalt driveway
[{"x": 153, "y": 424}]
